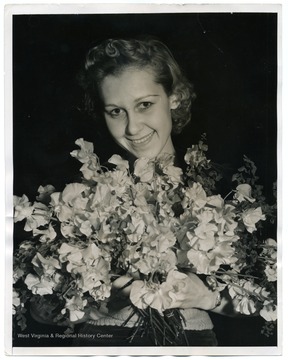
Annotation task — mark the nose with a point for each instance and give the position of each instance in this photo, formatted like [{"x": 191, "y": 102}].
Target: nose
[{"x": 134, "y": 123}]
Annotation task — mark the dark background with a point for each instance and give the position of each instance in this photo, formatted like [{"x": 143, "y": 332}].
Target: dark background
[{"x": 230, "y": 58}]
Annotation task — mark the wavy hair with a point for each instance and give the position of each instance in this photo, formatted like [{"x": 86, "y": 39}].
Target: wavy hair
[{"x": 112, "y": 56}]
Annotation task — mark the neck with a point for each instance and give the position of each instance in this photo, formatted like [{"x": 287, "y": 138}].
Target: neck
[{"x": 168, "y": 147}]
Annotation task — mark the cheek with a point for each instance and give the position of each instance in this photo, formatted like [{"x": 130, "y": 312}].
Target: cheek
[
  {"x": 114, "y": 127},
  {"x": 166, "y": 119}
]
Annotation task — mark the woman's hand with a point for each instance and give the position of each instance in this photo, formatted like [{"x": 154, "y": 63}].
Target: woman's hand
[
  {"x": 120, "y": 294},
  {"x": 122, "y": 285},
  {"x": 192, "y": 292}
]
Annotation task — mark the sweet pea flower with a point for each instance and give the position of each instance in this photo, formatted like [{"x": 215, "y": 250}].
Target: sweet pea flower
[
  {"x": 102, "y": 292},
  {"x": 36, "y": 215},
  {"x": 226, "y": 220},
  {"x": 47, "y": 235},
  {"x": 243, "y": 193},
  {"x": 83, "y": 225},
  {"x": 174, "y": 173},
  {"x": 246, "y": 306},
  {"x": 195, "y": 156},
  {"x": 42, "y": 285},
  {"x": 86, "y": 152},
  {"x": 199, "y": 260},
  {"x": 144, "y": 294},
  {"x": 22, "y": 208},
  {"x": 166, "y": 164},
  {"x": 68, "y": 230},
  {"x": 151, "y": 261},
  {"x": 223, "y": 254},
  {"x": 71, "y": 255},
  {"x": 271, "y": 272},
  {"x": 164, "y": 241},
  {"x": 16, "y": 301},
  {"x": 44, "y": 193},
  {"x": 46, "y": 266},
  {"x": 144, "y": 169},
  {"x": 270, "y": 249},
  {"x": 40, "y": 217},
  {"x": 248, "y": 294},
  {"x": 175, "y": 288},
  {"x": 215, "y": 201},
  {"x": 119, "y": 162},
  {"x": 241, "y": 293},
  {"x": 118, "y": 182},
  {"x": 17, "y": 274},
  {"x": 69, "y": 202},
  {"x": 103, "y": 196},
  {"x": 75, "y": 306},
  {"x": 137, "y": 225},
  {"x": 94, "y": 276},
  {"x": 269, "y": 311},
  {"x": 195, "y": 195},
  {"x": 204, "y": 236},
  {"x": 251, "y": 217}
]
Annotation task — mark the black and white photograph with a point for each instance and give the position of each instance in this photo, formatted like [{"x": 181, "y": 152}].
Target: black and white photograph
[{"x": 145, "y": 183}]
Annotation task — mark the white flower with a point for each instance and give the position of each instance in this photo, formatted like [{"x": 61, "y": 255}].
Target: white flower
[
  {"x": 86, "y": 150},
  {"x": 36, "y": 215},
  {"x": 70, "y": 254},
  {"x": 22, "y": 208},
  {"x": 45, "y": 192},
  {"x": 246, "y": 306},
  {"x": 47, "y": 235},
  {"x": 194, "y": 195},
  {"x": 16, "y": 301},
  {"x": 119, "y": 162},
  {"x": 269, "y": 311},
  {"x": 42, "y": 285},
  {"x": 46, "y": 266},
  {"x": 251, "y": 217},
  {"x": 144, "y": 294},
  {"x": 75, "y": 306},
  {"x": 194, "y": 156},
  {"x": 271, "y": 272},
  {"x": 243, "y": 193},
  {"x": 270, "y": 250},
  {"x": 144, "y": 168}
]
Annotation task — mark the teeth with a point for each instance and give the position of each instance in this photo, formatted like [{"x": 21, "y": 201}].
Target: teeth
[{"x": 142, "y": 140}]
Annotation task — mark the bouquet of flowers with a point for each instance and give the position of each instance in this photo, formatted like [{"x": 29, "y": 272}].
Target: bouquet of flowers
[{"x": 152, "y": 224}]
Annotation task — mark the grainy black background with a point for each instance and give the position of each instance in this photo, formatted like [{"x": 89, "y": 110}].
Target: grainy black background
[{"x": 230, "y": 57}]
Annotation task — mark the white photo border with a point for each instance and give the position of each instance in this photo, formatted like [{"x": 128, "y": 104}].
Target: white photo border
[{"x": 38, "y": 9}]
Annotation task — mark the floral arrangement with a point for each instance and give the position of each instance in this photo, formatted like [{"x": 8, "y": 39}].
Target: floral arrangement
[{"x": 153, "y": 224}]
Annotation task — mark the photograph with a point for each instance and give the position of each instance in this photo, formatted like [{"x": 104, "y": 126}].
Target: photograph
[{"x": 145, "y": 180}]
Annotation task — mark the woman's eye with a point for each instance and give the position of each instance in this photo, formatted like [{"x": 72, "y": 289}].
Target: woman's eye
[
  {"x": 116, "y": 112},
  {"x": 145, "y": 105}
]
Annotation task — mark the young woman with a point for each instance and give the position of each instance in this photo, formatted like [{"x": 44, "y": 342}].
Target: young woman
[{"x": 136, "y": 90}]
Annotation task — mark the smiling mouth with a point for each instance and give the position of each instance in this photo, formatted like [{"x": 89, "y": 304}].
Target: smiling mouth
[{"x": 143, "y": 139}]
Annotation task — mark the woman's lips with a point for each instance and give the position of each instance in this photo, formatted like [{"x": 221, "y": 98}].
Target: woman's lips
[{"x": 144, "y": 139}]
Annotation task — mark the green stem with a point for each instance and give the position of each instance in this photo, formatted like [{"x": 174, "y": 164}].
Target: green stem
[
  {"x": 233, "y": 274},
  {"x": 228, "y": 194}
]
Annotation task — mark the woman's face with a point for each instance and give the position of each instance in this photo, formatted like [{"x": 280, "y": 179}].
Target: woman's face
[{"x": 138, "y": 112}]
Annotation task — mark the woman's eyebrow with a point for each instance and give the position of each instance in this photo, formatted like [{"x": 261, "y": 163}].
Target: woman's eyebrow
[
  {"x": 141, "y": 98},
  {"x": 113, "y": 105},
  {"x": 144, "y": 97}
]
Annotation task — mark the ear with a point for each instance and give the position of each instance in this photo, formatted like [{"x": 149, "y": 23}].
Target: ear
[{"x": 174, "y": 102}]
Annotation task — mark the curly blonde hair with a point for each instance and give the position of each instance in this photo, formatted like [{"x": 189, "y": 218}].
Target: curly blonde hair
[{"x": 112, "y": 56}]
